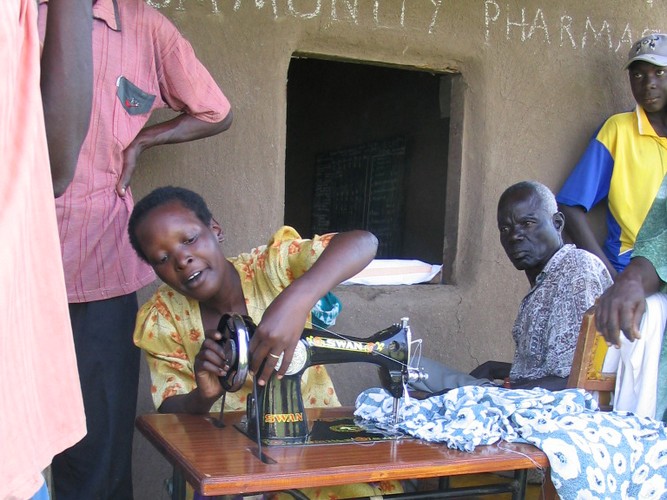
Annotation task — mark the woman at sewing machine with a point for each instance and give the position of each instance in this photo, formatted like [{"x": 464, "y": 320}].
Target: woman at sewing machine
[{"x": 276, "y": 285}]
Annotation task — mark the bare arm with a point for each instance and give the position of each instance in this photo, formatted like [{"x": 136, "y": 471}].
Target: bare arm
[
  {"x": 621, "y": 307},
  {"x": 183, "y": 128},
  {"x": 282, "y": 323},
  {"x": 67, "y": 85},
  {"x": 579, "y": 231}
]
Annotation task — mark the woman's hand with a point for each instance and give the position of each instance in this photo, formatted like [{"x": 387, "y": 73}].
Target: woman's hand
[
  {"x": 278, "y": 333},
  {"x": 283, "y": 321},
  {"x": 210, "y": 364}
]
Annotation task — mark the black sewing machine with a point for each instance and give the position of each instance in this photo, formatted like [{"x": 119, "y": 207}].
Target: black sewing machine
[{"x": 276, "y": 411}]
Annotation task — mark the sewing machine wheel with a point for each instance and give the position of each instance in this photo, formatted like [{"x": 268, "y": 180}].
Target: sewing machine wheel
[
  {"x": 235, "y": 341},
  {"x": 299, "y": 359}
]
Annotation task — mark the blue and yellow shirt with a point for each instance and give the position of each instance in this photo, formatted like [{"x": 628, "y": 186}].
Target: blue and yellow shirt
[{"x": 625, "y": 163}]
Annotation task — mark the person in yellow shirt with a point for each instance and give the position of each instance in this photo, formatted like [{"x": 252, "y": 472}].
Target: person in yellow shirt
[{"x": 276, "y": 285}]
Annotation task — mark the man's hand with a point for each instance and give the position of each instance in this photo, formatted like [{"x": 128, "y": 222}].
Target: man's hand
[
  {"x": 182, "y": 128},
  {"x": 130, "y": 158},
  {"x": 620, "y": 308}
]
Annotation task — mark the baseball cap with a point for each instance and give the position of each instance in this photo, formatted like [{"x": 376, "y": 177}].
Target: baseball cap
[{"x": 651, "y": 48}]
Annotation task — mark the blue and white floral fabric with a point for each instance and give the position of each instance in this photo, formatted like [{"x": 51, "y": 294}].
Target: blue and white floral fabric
[{"x": 593, "y": 454}]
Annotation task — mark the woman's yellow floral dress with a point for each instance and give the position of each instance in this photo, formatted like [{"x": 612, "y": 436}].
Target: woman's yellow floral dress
[{"x": 169, "y": 330}]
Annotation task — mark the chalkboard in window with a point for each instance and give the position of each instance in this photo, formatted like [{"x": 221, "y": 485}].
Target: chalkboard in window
[{"x": 362, "y": 188}]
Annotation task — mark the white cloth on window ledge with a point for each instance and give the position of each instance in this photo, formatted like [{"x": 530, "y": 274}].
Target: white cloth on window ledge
[{"x": 395, "y": 272}]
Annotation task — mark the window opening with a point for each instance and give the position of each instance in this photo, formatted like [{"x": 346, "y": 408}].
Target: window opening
[{"x": 368, "y": 147}]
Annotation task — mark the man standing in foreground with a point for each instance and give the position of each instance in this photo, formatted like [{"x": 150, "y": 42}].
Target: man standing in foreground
[
  {"x": 41, "y": 409},
  {"x": 141, "y": 62}
]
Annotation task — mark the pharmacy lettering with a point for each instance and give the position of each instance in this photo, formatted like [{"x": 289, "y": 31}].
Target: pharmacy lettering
[{"x": 501, "y": 22}]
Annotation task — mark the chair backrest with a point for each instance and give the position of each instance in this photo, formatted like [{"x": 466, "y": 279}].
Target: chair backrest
[{"x": 589, "y": 357}]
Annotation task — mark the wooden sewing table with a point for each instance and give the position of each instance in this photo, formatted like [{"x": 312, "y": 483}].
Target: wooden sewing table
[{"x": 222, "y": 461}]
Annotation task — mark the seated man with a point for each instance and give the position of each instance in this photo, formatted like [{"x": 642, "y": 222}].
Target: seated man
[
  {"x": 564, "y": 281},
  {"x": 637, "y": 306}
]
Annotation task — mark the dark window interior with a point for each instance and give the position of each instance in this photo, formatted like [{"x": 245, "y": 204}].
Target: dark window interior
[{"x": 367, "y": 147}]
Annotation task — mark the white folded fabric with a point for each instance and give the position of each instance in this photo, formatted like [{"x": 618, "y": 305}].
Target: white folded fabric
[
  {"x": 395, "y": 272},
  {"x": 637, "y": 362}
]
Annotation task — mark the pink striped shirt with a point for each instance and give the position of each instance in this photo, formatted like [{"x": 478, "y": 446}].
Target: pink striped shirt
[{"x": 135, "y": 47}]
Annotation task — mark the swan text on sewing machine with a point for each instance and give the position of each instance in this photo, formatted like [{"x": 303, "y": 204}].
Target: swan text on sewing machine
[
  {"x": 273, "y": 418},
  {"x": 345, "y": 345}
]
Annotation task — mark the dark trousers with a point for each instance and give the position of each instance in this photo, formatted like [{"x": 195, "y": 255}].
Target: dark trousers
[{"x": 100, "y": 465}]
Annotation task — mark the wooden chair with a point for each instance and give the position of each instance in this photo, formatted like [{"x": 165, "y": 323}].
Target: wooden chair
[
  {"x": 588, "y": 360},
  {"x": 587, "y": 374}
]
